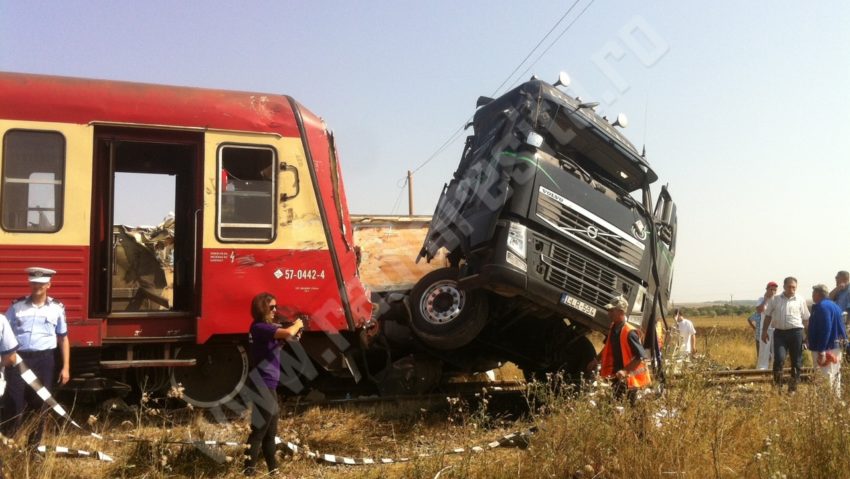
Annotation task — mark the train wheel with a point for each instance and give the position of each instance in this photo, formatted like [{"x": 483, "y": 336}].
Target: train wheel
[
  {"x": 443, "y": 315},
  {"x": 218, "y": 376}
]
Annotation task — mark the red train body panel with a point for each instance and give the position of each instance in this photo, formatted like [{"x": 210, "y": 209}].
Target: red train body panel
[
  {"x": 110, "y": 127},
  {"x": 304, "y": 284},
  {"x": 82, "y": 101},
  {"x": 71, "y": 288}
]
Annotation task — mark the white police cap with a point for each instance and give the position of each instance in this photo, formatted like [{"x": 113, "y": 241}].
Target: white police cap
[{"x": 40, "y": 275}]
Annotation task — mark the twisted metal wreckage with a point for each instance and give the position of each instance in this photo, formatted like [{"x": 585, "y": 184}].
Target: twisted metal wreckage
[{"x": 144, "y": 265}]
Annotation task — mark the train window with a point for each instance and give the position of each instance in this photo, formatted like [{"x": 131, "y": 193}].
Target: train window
[
  {"x": 33, "y": 181},
  {"x": 246, "y": 193}
]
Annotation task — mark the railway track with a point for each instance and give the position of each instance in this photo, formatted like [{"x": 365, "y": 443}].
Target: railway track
[
  {"x": 743, "y": 376},
  {"x": 510, "y": 392},
  {"x": 496, "y": 392}
]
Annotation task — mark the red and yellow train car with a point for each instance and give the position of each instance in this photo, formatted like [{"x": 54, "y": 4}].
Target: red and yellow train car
[{"x": 259, "y": 205}]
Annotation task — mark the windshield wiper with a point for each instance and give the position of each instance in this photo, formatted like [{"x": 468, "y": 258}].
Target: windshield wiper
[
  {"x": 622, "y": 195},
  {"x": 571, "y": 165}
]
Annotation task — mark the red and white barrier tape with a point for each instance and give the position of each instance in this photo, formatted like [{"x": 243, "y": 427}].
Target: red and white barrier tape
[{"x": 516, "y": 439}]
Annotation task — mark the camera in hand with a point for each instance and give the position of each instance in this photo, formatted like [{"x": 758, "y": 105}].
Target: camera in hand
[{"x": 286, "y": 322}]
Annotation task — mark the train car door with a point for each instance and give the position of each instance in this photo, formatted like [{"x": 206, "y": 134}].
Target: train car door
[{"x": 146, "y": 270}]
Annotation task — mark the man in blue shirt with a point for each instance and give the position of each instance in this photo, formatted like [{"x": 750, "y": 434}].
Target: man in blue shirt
[
  {"x": 826, "y": 333},
  {"x": 38, "y": 322},
  {"x": 8, "y": 343},
  {"x": 8, "y": 346}
]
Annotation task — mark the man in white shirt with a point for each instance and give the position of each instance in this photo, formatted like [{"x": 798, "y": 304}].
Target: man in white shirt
[
  {"x": 788, "y": 314},
  {"x": 687, "y": 335}
]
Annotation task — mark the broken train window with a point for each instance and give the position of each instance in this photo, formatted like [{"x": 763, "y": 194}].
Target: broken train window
[{"x": 246, "y": 193}]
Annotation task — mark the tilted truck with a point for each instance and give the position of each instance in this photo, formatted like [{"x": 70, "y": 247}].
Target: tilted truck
[
  {"x": 548, "y": 216},
  {"x": 259, "y": 205}
]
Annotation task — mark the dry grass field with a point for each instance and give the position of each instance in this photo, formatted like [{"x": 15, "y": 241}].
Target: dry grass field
[
  {"x": 726, "y": 340},
  {"x": 690, "y": 430}
]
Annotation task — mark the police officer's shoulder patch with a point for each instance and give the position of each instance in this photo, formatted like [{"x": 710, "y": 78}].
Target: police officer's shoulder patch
[{"x": 55, "y": 301}]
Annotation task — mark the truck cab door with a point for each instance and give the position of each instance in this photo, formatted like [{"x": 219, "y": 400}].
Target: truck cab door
[{"x": 666, "y": 228}]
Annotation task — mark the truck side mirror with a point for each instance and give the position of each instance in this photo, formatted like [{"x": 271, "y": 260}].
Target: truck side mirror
[{"x": 289, "y": 190}]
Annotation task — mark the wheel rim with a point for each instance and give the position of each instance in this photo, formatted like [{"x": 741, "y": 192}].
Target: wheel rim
[
  {"x": 216, "y": 379},
  {"x": 442, "y": 303}
]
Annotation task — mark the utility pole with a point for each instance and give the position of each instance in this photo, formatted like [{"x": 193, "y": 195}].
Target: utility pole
[{"x": 409, "y": 193}]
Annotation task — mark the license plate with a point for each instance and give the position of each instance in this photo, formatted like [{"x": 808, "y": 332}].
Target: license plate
[{"x": 578, "y": 304}]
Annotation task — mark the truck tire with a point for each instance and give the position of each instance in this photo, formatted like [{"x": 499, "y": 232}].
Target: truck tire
[
  {"x": 573, "y": 358},
  {"x": 443, "y": 315}
]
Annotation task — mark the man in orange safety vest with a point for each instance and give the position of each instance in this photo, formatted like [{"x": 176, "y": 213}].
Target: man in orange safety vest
[{"x": 623, "y": 355}]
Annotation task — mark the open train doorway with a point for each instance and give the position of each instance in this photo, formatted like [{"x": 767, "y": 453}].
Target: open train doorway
[
  {"x": 143, "y": 242},
  {"x": 146, "y": 223}
]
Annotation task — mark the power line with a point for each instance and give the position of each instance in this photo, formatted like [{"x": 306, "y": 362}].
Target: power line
[
  {"x": 525, "y": 72},
  {"x": 445, "y": 145},
  {"x": 398, "y": 198},
  {"x": 456, "y": 134},
  {"x": 536, "y": 46}
]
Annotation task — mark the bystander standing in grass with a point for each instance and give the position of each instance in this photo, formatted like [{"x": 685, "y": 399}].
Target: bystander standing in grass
[
  {"x": 764, "y": 350},
  {"x": 266, "y": 338},
  {"x": 788, "y": 314},
  {"x": 826, "y": 333},
  {"x": 687, "y": 335},
  {"x": 841, "y": 295},
  {"x": 623, "y": 355}
]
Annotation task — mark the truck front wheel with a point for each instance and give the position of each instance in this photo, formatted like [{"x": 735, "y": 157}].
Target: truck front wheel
[{"x": 443, "y": 315}]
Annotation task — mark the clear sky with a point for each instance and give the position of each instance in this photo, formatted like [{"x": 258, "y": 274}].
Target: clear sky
[{"x": 743, "y": 106}]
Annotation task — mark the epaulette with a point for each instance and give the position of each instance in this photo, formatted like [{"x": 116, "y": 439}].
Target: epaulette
[
  {"x": 22, "y": 298},
  {"x": 55, "y": 301}
]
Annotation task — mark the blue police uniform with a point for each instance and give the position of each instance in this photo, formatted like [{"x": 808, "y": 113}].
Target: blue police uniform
[
  {"x": 37, "y": 329},
  {"x": 8, "y": 342}
]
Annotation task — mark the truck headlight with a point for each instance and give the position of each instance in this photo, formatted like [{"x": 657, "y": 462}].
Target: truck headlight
[
  {"x": 516, "y": 239},
  {"x": 514, "y": 261}
]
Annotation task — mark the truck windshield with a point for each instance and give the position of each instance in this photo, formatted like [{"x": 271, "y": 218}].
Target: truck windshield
[{"x": 578, "y": 136}]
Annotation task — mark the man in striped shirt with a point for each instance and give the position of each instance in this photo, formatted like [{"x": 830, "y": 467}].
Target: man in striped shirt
[{"x": 789, "y": 315}]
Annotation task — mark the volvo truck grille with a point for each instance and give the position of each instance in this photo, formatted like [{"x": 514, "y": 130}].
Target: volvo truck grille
[
  {"x": 582, "y": 278},
  {"x": 581, "y": 225}
]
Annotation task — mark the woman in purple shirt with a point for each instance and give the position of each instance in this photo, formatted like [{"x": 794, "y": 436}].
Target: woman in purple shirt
[{"x": 265, "y": 340}]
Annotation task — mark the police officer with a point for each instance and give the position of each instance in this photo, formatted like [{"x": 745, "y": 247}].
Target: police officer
[
  {"x": 39, "y": 325},
  {"x": 8, "y": 346},
  {"x": 8, "y": 343}
]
